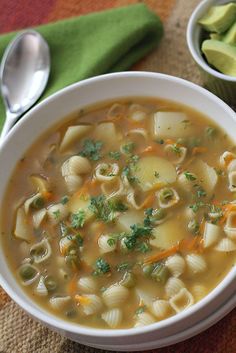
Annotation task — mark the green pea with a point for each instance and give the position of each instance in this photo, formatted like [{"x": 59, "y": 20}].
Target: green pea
[
  {"x": 166, "y": 194},
  {"x": 38, "y": 203},
  {"x": 160, "y": 273},
  {"x": 50, "y": 283},
  {"x": 128, "y": 280},
  {"x": 27, "y": 272},
  {"x": 147, "y": 269}
]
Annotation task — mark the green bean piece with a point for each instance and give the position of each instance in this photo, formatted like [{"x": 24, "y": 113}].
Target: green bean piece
[
  {"x": 27, "y": 272},
  {"x": 128, "y": 280},
  {"x": 166, "y": 195},
  {"x": 147, "y": 269},
  {"x": 50, "y": 283},
  {"x": 193, "y": 226},
  {"x": 160, "y": 273},
  {"x": 38, "y": 203}
]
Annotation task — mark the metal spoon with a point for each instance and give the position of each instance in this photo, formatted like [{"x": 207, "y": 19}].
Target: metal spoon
[{"x": 24, "y": 74}]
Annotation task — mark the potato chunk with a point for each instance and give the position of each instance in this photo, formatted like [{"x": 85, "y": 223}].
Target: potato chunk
[
  {"x": 78, "y": 202},
  {"x": 171, "y": 125},
  {"x": 153, "y": 172},
  {"x": 168, "y": 234}
]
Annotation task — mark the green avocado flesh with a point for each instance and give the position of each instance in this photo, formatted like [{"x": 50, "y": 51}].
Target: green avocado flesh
[
  {"x": 220, "y": 55},
  {"x": 219, "y": 18},
  {"x": 230, "y": 36}
]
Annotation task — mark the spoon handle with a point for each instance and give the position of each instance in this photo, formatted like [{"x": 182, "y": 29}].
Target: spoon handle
[{"x": 10, "y": 120}]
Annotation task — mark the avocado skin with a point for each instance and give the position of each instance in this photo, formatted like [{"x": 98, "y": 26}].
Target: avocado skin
[
  {"x": 220, "y": 55},
  {"x": 219, "y": 18}
]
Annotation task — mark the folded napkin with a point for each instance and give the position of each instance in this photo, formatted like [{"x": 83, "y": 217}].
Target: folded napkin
[{"x": 95, "y": 44}]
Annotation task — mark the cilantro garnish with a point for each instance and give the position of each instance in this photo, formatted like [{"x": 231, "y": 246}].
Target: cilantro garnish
[
  {"x": 78, "y": 219},
  {"x": 128, "y": 147},
  {"x": 91, "y": 149},
  {"x": 189, "y": 176},
  {"x": 106, "y": 210},
  {"x": 101, "y": 267}
]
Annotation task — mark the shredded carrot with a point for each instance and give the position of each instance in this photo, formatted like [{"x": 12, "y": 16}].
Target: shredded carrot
[
  {"x": 81, "y": 299},
  {"x": 191, "y": 244},
  {"x": 169, "y": 142},
  {"x": 227, "y": 209},
  {"x": 197, "y": 150},
  {"x": 72, "y": 285},
  {"x": 153, "y": 148},
  {"x": 228, "y": 159},
  {"x": 162, "y": 255},
  {"x": 47, "y": 195},
  {"x": 148, "y": 202}
]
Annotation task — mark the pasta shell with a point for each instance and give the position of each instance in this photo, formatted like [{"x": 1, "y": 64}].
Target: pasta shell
[
  {"x": 176, "y": 265},
  {"x": 112, "y": 317},
  {"x": 22, "y": 228},
  {"x": 41, "y": 289},
  {"x": 64, "y": 245},
  {"x": 185, "y": 184},
  {"x": 211, "y": 235},
  {"x": 161, "y": 309},
  {"x": 225, "y": 158},
  {"x": 104, "y": 246},
  {"x": 57, "y": 212},
  {"x": 199, "y": 291},
  {"x": 113, "y": 189},
  {"x": 41, "y": 251},
  {"x": 232, "y": 165},
  {"x": 115, "y": 295},
  {"x": 73, "y": 134},
  {"x": 29, "y": 201},
  {"x": 38, "y": 217},
  {"x": 196, "y": 263},
  {"x": 116, "y": 111},
  {"x": 34, "y": 273},
  {"x": 173, "y": 286},
  {"x": 73, "y": 182},
  {"x": 59, "y": 303},
  {"x": 225, "y": 245},
  {"x": 144, "y": 319},
  {"x": 182, "y": 300},
  {"x": 93, "y": 304},
  {"x": 75, "y": 165},
  {"x": 169, "y": 203},
  {"x": 106, "y": 172},
  {"x": 175, "y": 158},
  {"x": 232, "y": 181},
  {"x": 138, "y": 132},
  {"x": 87, "y": 284}
]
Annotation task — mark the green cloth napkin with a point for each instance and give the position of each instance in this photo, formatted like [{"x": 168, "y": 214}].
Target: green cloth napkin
[{"x": 95, "y": 44}]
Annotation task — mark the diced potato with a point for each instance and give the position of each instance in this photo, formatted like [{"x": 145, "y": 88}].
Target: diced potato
[
  {"x": 172, "y": 125},
  {"x": 168, "y": 234},
  {"x": 73, "y": 134},
  {"x": 206, "y": 175},
  {"x": 106, "y": 132},
  {"x": 127, "y": 219},
  {"x": 22, "y": 228},
  {"x": 153, "y": 172},
  {"x": 80, "y": 202}
]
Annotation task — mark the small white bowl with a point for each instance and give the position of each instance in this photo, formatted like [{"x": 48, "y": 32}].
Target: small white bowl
[
  {"x": 222, "y": 85},
  {"x": 114, "y": 86}
]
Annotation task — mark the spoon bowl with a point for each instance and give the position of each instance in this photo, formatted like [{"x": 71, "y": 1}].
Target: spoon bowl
[{"x": 24, "y": 74}]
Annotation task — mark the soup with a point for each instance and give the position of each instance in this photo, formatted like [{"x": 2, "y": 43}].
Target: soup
[{"x": 124, "y": 214}]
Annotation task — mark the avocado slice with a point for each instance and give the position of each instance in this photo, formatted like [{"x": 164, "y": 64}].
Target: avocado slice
[
  {"x": 220, "y": 55},
  {"x": 219, "y": 18},
  {"x": 230, "y": 36}
]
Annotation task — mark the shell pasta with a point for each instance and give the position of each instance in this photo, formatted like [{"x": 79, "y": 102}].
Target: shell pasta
[{"x": 124, "y": 214}]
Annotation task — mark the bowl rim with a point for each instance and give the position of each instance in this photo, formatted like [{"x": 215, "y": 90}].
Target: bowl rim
[
  {"x": 201, "y": 8},
  {"x": 63, "y": 325}
]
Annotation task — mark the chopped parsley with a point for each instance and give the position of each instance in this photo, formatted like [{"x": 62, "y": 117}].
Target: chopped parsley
[
  {"x": 196, "y": 206},
  {"x": 143, "y": 247},
  {"x": 127, "y": 172},
  {"x": 157, "y": 175},
  {"x": 91, "y": 149},
  {"x": 140, "y": 310},
  {"x": 123, "y": 267},
  {"x": 57, "y": 214},
  {"x": 128, "y": 147},
  {"x": 78, "y": 219},
  {"x": 106, "y": 210},
  {"x": 137, "y": 231},
  {"x": 78, "y": 239},
  {"x": 201, "y": 192},
  {"x": 101, "y": 267},
  {"x": 189, "y": 176},
  {"x": 64, "y": 199},
  {"x": 176, "y": 149},
  {"x": 115, "y": 155},
  {"x": 160, "y": 141},
  {"x": 111, "y": 241}
]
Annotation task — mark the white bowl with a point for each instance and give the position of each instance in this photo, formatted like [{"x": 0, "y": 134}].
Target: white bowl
[
  {"x": 222, "y": 85},
  {"x": 52, "y": 110}
]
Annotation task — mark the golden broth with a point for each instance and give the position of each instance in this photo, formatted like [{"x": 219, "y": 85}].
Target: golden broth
[{"x": 136, "y": 227}]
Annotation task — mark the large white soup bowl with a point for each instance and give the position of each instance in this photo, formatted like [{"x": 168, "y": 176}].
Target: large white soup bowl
[{"x": 46, "y": 114}]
